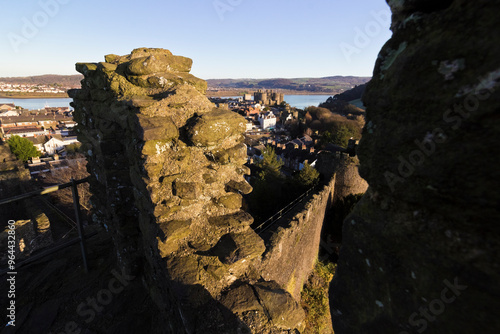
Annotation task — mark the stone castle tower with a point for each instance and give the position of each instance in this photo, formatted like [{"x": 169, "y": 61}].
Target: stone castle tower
[{"x": 268, "y": 97}]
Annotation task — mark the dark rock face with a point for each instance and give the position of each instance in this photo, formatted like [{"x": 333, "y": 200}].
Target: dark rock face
[{"x": 420, "y": 250}]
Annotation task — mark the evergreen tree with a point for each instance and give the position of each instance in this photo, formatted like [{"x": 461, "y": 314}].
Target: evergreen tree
[
  {"x": 308, "y": 176},
  {"x": 22, "y": 148},
  {"x": 342, "y": 136},
  {"x": 270, "y": 164}
]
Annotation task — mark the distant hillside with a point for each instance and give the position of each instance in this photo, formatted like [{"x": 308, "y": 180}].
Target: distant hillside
[
  {"x": 48, "y": 79},
  {"x": 327, "y": 85},
  {"x": 348, "y": 102},
  {"x": 352, "y": 94}
]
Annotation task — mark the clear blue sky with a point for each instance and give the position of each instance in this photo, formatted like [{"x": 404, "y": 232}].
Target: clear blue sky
[{"x": 225, "y": 38}]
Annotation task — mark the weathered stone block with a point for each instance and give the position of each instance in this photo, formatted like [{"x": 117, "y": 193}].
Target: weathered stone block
[
  {"x": 239, "y": 219},
  {"x": 283, "y": 310},
  {"x": 187, "y": 190},
  {"x": 157, "y": 128},
  {"x": 237, "y": 246},
  {"x": 86, "y": 68},
  {"x": 242, "y": 299},
  {"x": 231, "y": 201},
  {"x": 176, "y": 229},
  {"x": 242, "y": 186},
  {"x": 211, "y": 129},
  {"x": 236, "y": 155},
  {"x": 158, "y": 63}
]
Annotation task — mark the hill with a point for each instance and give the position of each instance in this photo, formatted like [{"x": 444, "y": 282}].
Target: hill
[
  {"x": 348, "y": 102},
  {"x": 48, "y": 79},
  {"x": 352, "y": 94},
  {"x": 334, "y": 84},
  {"x": 326, "y": 85}
]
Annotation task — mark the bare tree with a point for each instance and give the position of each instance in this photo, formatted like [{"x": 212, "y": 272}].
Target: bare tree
[{"x": 77, "y": 170}]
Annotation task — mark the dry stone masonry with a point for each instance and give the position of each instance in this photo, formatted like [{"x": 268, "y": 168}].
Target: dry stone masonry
[{"x": 167, "y": 181}]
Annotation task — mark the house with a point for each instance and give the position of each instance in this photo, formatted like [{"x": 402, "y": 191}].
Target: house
[
  {"x": 297, "y": 143},
  {"x": 267, "y": 121},
  {"x": 7, "y": 106},
  {"x": 38, "y": 142},
  {"x": 32, "y": 125},
  {"x": 57, "y": 142},
  {"x": 23, "y": 131},
  {"x": 249, "y": 126},
  {"x": 8, "y": 113}
]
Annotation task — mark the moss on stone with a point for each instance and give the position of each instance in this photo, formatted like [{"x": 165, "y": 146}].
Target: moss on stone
[
  {"x": 86, "y": 68},
  {"x": 212, "y": 128}
]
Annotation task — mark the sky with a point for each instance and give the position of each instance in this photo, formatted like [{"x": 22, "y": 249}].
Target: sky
[{"x": 225, "y": 38}]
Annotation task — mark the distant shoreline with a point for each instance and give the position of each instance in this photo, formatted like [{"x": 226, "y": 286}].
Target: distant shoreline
[
  {"x": 32, "y": 96},
  {"x": 219, "y": 93}
]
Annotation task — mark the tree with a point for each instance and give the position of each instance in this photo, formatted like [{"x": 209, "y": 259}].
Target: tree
[
  {"x": 77, "y": 170},
  {"x": 308, "y": 176},
  {"x": 342, "y": 135},
  {"x": 270, "y": 164},
  {"x": 22, "y": 148},
  {"x": 73, "y": 149}
]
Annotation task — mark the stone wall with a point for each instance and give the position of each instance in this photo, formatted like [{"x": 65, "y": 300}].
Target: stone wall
[
  {"x": 293, "y": 249},
  {"x": 30, "y": 235},
  {"x": 420, "y": 251},
  {"x": 346, "y": 171},
  {"x": 167, "y": 172}
]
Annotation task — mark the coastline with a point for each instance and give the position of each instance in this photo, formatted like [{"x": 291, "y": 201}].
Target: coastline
[
  {"x": 221, "y": 93},
  {"x": 218, "y": 93},
  {"x": 32, "y": 96}
]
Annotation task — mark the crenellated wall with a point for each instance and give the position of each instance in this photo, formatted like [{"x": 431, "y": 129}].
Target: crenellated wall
[{"x": 293, "y": 248}]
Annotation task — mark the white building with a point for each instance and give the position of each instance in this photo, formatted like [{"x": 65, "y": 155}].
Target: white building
[
  {"x": 267, "y": 121},
  {"x": 57, "y": 143},
  {"x": 6, "y": 113}
]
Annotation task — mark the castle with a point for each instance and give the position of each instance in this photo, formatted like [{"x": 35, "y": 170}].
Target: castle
[{"x": 268, "y": 97}]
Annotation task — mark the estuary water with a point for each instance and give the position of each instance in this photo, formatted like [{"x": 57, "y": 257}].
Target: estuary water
[
  {"x": 297, "y": 101},
  {"x": 35, "y": 104},
  {"x": 304, "y": 101}
]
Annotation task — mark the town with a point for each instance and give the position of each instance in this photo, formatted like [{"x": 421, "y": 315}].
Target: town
[
  {"x": 51, "y": 130},
  {"x": 32, "y": 88},
  {"x": 270, "y": 122},
  {"x": 273, "y": 122}
]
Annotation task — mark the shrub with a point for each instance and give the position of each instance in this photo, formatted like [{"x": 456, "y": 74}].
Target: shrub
[{"x": 22, "y": 148}]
